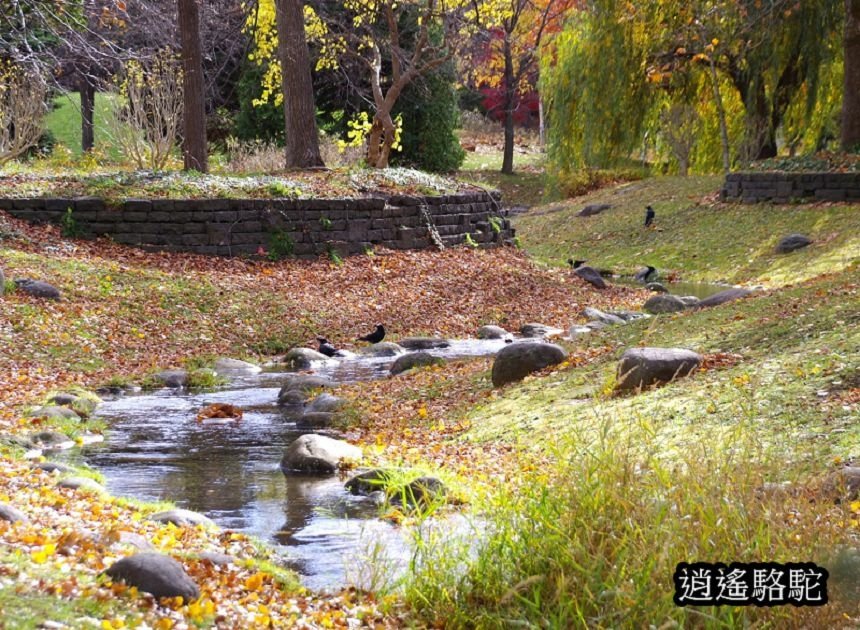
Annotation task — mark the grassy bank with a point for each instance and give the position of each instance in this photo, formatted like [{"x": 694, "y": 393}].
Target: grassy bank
[
  {"x": 695, "y": 236},
  {"x": 614, "y": 491}
]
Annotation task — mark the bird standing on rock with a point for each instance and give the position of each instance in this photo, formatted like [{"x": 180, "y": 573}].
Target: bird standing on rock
[
  {"x": 326, "y": 347},
  {"x": 376, "y": 336},
  {"x": 649, "y": 216}
]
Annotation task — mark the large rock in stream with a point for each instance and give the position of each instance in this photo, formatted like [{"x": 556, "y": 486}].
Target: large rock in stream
[
  {"x": 643, "y": 367},
  {"x": 313, "y": 453},
  {"x": 156, "y": 574},
  {"x": 664, "y": 303},
  {"x": 382, "y": 349},
  {"x": 491, "y": 332},
  {"x": 729, "y": 295},
  {"x": 296, "y": 389},
  {"x": 303, "y": 358},
  {"x": 423, "y": 343},
  {"x": 414, "y": 360},
  {"x": 235, "y": 367},
  {"x": 516, "y": 361}
]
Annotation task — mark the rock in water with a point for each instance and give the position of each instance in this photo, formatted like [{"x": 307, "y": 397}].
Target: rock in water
[
  {"x": 303, "y": 358},
  {"x": 423, "y": 343},
  {"x": 172, "y": 378},
  {"x": 413, "y": 360},
  {"x": 382, "y": 349},
  {"x": 516, "y": 361},
  {"x": 792, "y": 242},
  {"x": 39, "y": 289},
  {"x": 656, "y": 287},
  {"x": 491, "y": 332},
  {"x": 663, "y": 303},
  {"x": 539, "y": 331},
  {"x": 156, "y": 574},
  {"x": 591, "y": 275},
  {"x": 369, "y": 481},
  {"x": 722, "y": 297},
  {"x": 234, "y": 367},
  {"x": 314, "y": 453},
  {"x": 643, "y": 367},
  {"x": 326, "y": 403}
]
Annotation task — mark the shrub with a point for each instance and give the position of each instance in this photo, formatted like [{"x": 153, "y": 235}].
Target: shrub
[
  {"x": 22, "y": 108},
  {"x": 280, "y": 245},
  {"x": 263, "y": 121}
]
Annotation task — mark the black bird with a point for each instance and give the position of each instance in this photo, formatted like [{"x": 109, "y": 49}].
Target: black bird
[
  {"x": 646, "y": 275},
  {"x": 576, "y": 264},
  {"x": 376, "y": 336},
  {"x": 649, "y": 215},
  {"x": 326, "y": 347}
]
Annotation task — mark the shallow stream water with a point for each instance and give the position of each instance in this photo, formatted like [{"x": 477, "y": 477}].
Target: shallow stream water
[{"x": 155, "y": 450}]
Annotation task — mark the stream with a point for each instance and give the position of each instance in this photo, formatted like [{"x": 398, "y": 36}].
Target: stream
[{"x": 155, "y": 450}]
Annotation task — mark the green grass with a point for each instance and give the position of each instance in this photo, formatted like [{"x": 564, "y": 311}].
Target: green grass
[
  {"x": 64, "y": 121},
  {"x": 695, "y": 235},
  {"x": 617, "y": 490}
]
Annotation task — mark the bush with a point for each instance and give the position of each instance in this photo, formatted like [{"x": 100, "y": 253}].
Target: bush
[
  {"x": 430, "y": 116},
  {"x": 257, "y": 122},
  {"x": 582, "y": 182},
  {"x": 22, "y": 108}
]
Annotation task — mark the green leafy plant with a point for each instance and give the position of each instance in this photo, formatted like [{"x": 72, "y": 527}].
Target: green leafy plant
[
  {"x": 334, "y": 256},
  {"x": 69, "y": 225},
  {"x": 470, "y": 241},
  {"x": 280, "y": 189},
  {"x": 325, "y": 222},
  {"x": 281, "y": 245},
  {"x": 496, "y": 224}
]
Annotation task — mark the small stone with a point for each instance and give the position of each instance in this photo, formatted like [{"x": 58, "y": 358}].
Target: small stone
[
  {"x": 576, "y": 331},
  {"x": 53, "y": 412},
  {"x": 182, "y": 518},
  {"x": 11, "y": 514},
  {"x": 491, "y": 332},
  {"x": 81, "y": 483},
  {"x": 369, "y": 481},
  {"x": 421, "y": 492},
  {"x": 50, "y": 467},
  {"x": 423, "y": 343},
  {"x": 414, "y": 360},
  {"x": 216, "y": 558},
  {"x": 316, "y": 420},
  {"x": 792, "y": 242},
  {"x": 63, "y": 399},
  {"x": 156, "y": 574},
  {"x": 326, "y": 402},
  {"x": 37, "y": 288},
  {"x": 51, "y": 440},
  {"x": 656, "y": 287}
]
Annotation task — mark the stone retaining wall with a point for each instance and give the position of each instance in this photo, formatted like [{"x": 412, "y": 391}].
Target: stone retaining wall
[
  {"x": 232, "y": 227},
  {"x": 791, "y": 187}
]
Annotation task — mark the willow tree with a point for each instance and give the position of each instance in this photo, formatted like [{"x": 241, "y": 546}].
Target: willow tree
[{"x": 851, "y": 94}]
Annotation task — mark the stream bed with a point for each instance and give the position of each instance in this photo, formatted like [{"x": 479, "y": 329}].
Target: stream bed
[{"x": 156, "y": 450}]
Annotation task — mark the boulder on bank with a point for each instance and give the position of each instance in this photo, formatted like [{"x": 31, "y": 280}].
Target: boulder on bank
[
  {"x": 172, "y": 378},
  {"x": 156, "y": 574},
  {"x": 53, "y": 412},
  {"x": 414, "y": 360},
  {"x": 303, "y": 358},
  {"x": 656, "y": 287},
  {"x": 606, "y": 318},
  {"x": 316, "y": 420},
  {"x": 11, "y": 514},
  {"x": 516, "y": 361},
  {"x": 729, "y": 295},
  {"x": 182, "y": 518},
  {"x": 664, "y": 303},
  {"x": 594, "y": 208},
  {"x": 591, "y": 275},
  {"x": 640, "y": 368},
  {"x": 792, "y": 242},
  {"x": 313, "y": 453},
  {"x": 38, "y": 289},
  {"x": 420, "y": 492},
  {"x": 423, "y": 343},
  {"x": 491, "y": 332},
  {"x": 369, "y": 481}
]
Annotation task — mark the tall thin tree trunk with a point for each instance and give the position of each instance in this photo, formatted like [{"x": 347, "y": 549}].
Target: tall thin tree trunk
[
  {"x": 541, "y": 124},
  {"x": 194, "y": 149},
  {"x": 88, "y": 97},
  {"x": 299, "y": 112},
  {"x": 851, "y": 93},
  {"x": 721, "y": 116},
  {"x": 508, "y": 156}
]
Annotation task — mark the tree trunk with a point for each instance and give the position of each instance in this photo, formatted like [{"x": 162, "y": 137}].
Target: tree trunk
[
  {"x": 88, "y": 98},
  {"x": 194, "y": 149},
  {"x": 851, "y": 93},
  {"x": 303, "y": 149},
  {"x": 508, "y": 156},
  {"x": 721, "y": 116}
]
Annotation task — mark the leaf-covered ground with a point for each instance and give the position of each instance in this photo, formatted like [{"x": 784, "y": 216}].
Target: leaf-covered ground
[{"x": 125, "y": 312}]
